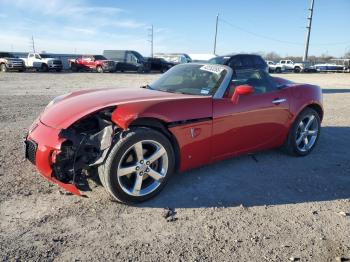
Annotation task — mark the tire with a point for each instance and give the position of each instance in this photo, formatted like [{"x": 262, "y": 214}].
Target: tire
[
  {"x": 295, "y": 144},
  {"x": 122, "y": 186},
  {"x": 3, "y": 68},
  {"x": 99, "y": 69},
  {"x": 74, "y": 68},
  {"x": 297, "y": 69},
  {"x": 278, "y": 70},
  {"x": 58, "y": 70},
  {"x": 44, "y": 68}
]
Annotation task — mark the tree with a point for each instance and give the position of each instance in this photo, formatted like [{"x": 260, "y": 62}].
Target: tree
[
  {"x": 272, "y": 56},
  {"x": 347, "y": 54}
]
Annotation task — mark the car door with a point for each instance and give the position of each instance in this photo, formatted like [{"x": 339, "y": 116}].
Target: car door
[{"x": 257, "y": 121}]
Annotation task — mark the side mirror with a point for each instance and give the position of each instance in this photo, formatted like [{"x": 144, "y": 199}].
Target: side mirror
[{"x": 241, "y": 90}]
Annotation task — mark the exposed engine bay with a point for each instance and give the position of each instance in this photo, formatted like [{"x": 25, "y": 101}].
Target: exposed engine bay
[{"x": 86, "y": 145}]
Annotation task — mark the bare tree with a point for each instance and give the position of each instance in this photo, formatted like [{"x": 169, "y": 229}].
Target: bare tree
[
  {"x": 347, "y": 54},
  {"x": 273, "y": 56}
]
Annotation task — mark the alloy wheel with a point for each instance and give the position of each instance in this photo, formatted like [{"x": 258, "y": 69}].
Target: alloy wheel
[
  {"x": 307, "y": 133},
  {"x": 142, "y": 168}
]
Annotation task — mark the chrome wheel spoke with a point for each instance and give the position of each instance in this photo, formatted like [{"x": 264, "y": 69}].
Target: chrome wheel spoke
[
  {"x": 154, "y": 174},
  {"x": 139, "y": 151},
  {"x": 156, "y": 155},
  {"x": 312, "y": 132},
  {"x": 126, "y": 170},
  {"x": 137, "y": 186},
  {"x": 309, "y": 122},
  {"x": 306, "y": 141},
  {"x": 299, "y": 140}
]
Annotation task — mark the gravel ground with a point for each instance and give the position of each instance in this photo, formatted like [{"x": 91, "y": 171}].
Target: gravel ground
[{"x": 266, "y": 207}]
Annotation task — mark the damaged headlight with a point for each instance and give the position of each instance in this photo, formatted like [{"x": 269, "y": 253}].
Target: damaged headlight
[{"x": 56, "y": 99}]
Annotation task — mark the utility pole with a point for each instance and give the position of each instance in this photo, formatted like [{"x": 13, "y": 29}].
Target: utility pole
[
  {"x": 150, "y": 35},
  {"x": 33, "y": 44},
  {"x": 216, "y": 33},
  {"x": 311, "y": 10}
]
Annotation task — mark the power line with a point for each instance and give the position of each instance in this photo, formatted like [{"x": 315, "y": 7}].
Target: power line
[
  {"x": 259, "y": 35},
  {"x": 278, "y": 40}
]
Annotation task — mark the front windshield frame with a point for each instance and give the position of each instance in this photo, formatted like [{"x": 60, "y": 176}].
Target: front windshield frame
[{"x": 216, "y": 91}]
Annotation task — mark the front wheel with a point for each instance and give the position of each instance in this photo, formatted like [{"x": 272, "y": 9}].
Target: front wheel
[
  {"x": 3, "y": 68},
  {"x": 304, "y": 133},
  {"x": 44, "y": 68},
  {"x": 99, "y": 69},
  {"x": 138, "y": 166}
]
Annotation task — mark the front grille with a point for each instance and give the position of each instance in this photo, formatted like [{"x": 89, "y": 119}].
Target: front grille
[{"x": 31, "y": 148}]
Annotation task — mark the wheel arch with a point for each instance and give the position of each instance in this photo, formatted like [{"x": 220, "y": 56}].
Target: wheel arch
[
  {"x": 160, "y": 126},
  {"x": 317, "y": 108}
]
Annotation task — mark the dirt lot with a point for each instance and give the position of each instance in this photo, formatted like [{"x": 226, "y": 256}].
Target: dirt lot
[{"x": 271, "y": 207}]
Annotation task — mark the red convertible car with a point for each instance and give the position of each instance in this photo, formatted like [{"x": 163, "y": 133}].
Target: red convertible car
[{"x": 194, "y": 114}]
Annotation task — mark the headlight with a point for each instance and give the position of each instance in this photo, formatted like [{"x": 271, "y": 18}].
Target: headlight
[{"x": 56, "y": 99}]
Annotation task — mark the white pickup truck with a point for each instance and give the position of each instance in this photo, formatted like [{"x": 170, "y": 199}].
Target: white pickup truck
[
  {"x": 43, "y": 62},
  {"x": 289, "y": 65}
]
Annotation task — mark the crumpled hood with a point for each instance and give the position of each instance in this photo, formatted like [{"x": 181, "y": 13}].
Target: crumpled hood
[{"x": 79, "y": 104}]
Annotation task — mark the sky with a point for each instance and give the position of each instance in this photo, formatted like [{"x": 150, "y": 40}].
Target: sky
[{"x": 89, "y": 27}]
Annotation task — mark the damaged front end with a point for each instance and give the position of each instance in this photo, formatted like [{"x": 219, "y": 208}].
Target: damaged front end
[{"x": 86, "y": 145}]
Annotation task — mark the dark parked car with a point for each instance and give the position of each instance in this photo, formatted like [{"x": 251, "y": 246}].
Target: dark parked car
[
  {"x": 241, "y": 61},
  {"x": 159, "y": 64},
  {"x": 10, "y": 62},
  {"x": 128, "y": 60}
]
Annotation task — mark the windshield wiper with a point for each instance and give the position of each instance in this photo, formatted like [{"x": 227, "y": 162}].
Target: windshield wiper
[
  {"x": 147, "y": 87},
  {"x": 171, "y": 91}
]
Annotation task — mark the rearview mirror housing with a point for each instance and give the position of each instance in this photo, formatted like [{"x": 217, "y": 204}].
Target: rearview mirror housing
[{"x": 241, "y": 90}]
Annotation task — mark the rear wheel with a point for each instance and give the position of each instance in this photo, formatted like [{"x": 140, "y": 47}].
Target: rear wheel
[
  {"x": 297, "y": 69},
  {"x": 44, "y": 68},
  {"x": 138, "y": 166},
  {"x": 99, "y": 69},
  {"x": 3, "y": 68},
  {"x": 304, "y": 133},
  {"x": 278, "y": 70}
]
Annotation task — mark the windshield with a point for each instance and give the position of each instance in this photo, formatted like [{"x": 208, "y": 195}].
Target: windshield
[
  {"x": 6, "y": 55},
  {"x": 100, "y": 57},
  {"x": 192, "y": 79},
  {"x": 46, "y": 56},
  {"x": 218, "y": 60},
  {"x": 138, "y": 56}
]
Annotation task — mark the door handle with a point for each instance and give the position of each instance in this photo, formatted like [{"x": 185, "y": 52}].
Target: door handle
[{"x": 277, "y": 101}]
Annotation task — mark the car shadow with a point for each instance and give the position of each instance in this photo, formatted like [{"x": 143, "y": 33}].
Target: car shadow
[
  {"x": 265, "y": 178},
  {"x": 335, "y": 90}
]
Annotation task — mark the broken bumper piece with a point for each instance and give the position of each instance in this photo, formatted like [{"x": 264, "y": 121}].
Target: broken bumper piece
[{"x": 41, "y": 145}]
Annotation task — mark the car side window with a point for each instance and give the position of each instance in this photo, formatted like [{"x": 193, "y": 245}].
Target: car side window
[
  {"x": 235, "y": 62},
  {"x": 130, "y": 58},
  {"x": 258, "y": 79}
]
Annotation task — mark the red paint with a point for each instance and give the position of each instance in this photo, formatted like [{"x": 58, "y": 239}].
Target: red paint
[
  {"x": 88, "y": 64},
  {"x": 48, "y": 141},
  {"x": 249, "y": 124}
]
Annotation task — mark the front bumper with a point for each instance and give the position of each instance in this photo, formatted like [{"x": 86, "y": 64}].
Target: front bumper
[
  {"x": 15, "y": 66},
  {"x": 40, "y": 143},
  {"x": 55, "y": 66}
]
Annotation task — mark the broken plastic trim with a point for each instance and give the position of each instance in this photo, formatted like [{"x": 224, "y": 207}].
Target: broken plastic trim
[{"x": 86, "y": 144}]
